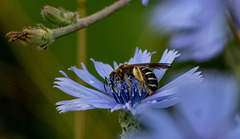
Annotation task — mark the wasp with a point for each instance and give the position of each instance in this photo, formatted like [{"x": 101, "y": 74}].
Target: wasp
[{"x": 141, "y": 72}]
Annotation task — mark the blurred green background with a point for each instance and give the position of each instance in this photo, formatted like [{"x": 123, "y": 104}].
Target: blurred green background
[{"x": 27, "y": 96}]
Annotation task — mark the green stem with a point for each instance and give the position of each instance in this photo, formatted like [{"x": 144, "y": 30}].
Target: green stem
[
  {"x": 84, "y": 22},
  {"x": 80, "y": 116},
  {"x": 129, "y": 124},
  {"x": 41, "y": 36}
]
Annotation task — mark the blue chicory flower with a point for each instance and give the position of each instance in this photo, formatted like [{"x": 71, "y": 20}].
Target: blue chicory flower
[
  {"x": 145, "y": 2},
  {"x": 198, "y": 28},
  {"x": 207, "y": 112},
  {"x": 103, "y": 97}
]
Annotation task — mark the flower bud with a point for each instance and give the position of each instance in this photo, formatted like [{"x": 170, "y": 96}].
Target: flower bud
[
  {"x": 59, "y": 16},
  {"x": 40, "y": 37}
]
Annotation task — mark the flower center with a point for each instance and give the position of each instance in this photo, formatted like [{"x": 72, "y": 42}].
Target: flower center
[{"x": 127, "y": 91}]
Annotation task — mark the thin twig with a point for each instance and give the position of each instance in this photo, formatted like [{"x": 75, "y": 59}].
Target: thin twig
[
  {"x": 42, "y": 36},
  {"x": 84, "y": 22},
  {"x": 234, "y": 30}
]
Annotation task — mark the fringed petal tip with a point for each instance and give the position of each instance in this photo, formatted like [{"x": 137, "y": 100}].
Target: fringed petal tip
[
  {"x": 141, "y": 56},
  {"x": 56, "y": 86},
  {"x": 60, "y": 109},
  {"x": 73, "y": 105},
  {"x": 196, "y": 75},
  {"x": 193, "y": 76},
  {"x": 172, "y": 52},
  {"x": 169, "y": 55},
  {"x": 59, "y": 79},
  {"x": 145, "y": 52},
  {"x": 72, "y": 68},
  {"x": 63, "y": 73}
]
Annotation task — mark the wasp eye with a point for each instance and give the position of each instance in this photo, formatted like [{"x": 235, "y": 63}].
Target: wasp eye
[{"x": 111, "y": 75}]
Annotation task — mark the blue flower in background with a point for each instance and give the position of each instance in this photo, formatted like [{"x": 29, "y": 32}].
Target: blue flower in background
[
  {"x": 198, "y": 28},
  {"x": 207, "y": 112},
  {"x": 233, "y": 11},
  {"x": 145, "y": 2},
  {"x": 104, "y": 98}
]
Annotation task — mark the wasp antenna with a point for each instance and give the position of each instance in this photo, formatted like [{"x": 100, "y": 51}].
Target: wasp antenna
[
  {"x": 105, "y": 81},
  {"x": 104, "y": 87}
]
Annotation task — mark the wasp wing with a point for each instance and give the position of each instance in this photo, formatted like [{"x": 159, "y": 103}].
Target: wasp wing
[{"x": 150, "y": 65}]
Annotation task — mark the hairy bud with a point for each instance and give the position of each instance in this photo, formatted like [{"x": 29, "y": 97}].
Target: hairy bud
[
  {"x": 39, "y": 36},
  {"x": 59, "y": 16}
]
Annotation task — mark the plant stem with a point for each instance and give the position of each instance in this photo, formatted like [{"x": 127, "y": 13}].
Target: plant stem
[
  {"x": 80, "y": 116},
  {"x": 84, "y": 22},
  {"x": 233, "y": 28}
]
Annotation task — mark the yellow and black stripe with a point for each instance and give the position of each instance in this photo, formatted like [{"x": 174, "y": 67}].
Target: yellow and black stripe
[{"x": 150, "y": 79}]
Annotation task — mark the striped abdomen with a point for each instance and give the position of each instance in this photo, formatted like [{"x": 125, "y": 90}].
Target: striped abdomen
[{"x": 150, "y": 80}]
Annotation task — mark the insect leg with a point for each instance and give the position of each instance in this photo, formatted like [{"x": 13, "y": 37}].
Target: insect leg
[
  {"x": 138, "y": 74},
  {"x": 105, "y": 81}
]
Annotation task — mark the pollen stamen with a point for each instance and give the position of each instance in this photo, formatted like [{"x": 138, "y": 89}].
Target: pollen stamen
[{"x": 128, "y": 91}]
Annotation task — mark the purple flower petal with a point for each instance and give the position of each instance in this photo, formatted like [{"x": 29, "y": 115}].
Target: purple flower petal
[
  {"x": 167, "y": 93},
  {"x": 145, "y": 2},
  {"x": 141, "y": 57},
  {"x": 90, "y": 79},
  {"x": 74, "y": 89},
  {"x": 171, "y": 90},
  {"x": 125, "y": 97},
  {"x": 115, "y": 64},
  {"x": 165, "y": 103},
  {"x": 119, "y": 107},
  {"x": 167, "y": 57},
  {"x": 183, "y": 81},
  {"x": 81, "y": 104},
  {"x": 191, "y": 45},
  {"x": 160, "y": 124},
  {"x": 235, "y": 133},
  {"x": 73, "y": 105},
  {"x": 102, "y": 69},
  {"x": 198, "y": 28},
  {"x": 208, "y": 111},
  {"x": 173, "y": 15},
  {"x": 210, "y": 106}
]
